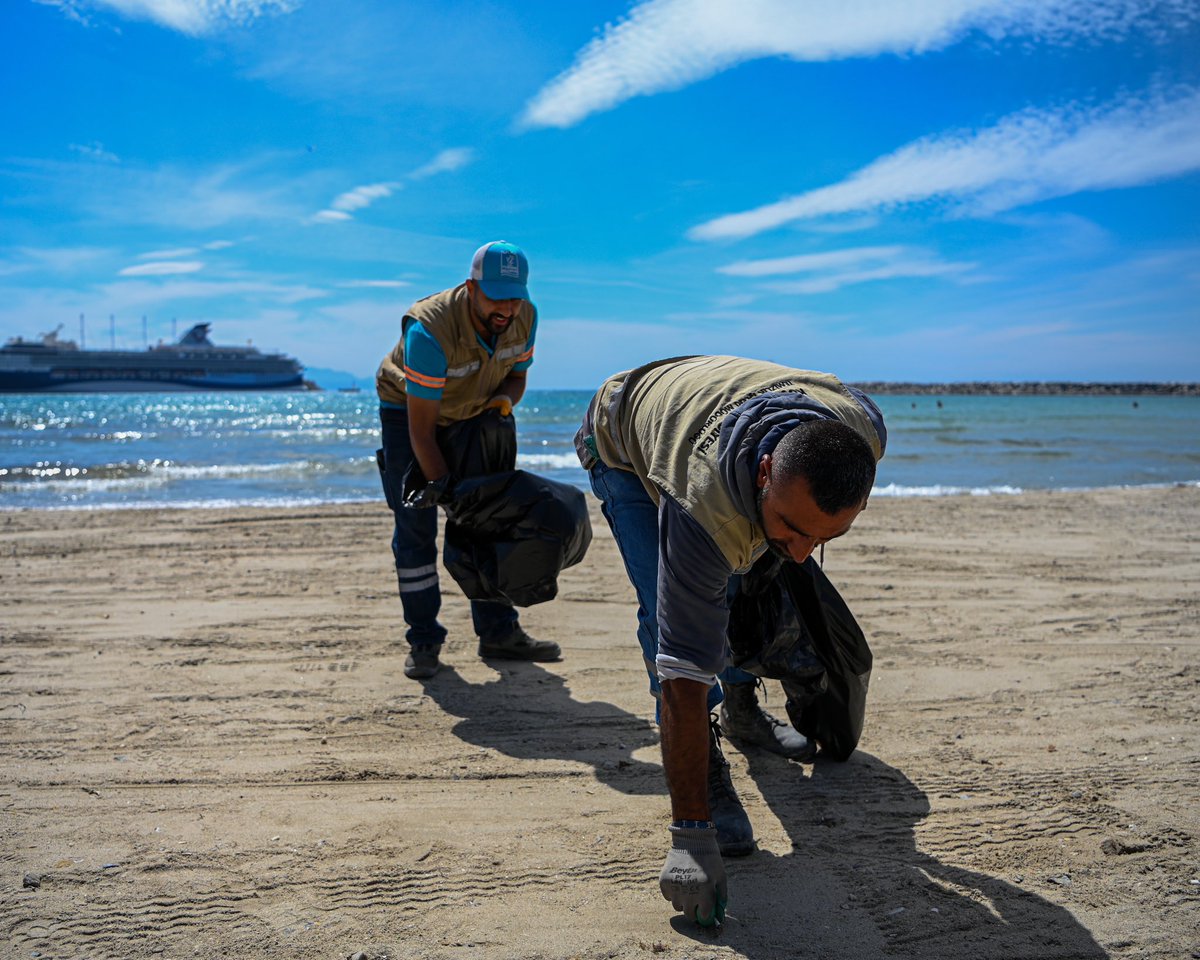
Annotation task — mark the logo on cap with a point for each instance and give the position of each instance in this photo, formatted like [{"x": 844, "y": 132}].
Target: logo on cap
[{"x": 509, "y": 265}]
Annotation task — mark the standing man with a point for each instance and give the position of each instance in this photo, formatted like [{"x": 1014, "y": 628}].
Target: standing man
[
  {"x": 462, "y": 352},
  {"x": 701, "y": 465}
]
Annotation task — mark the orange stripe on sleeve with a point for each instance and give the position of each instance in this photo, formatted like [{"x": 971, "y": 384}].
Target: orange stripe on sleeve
[{"x": 433, "y": 383}]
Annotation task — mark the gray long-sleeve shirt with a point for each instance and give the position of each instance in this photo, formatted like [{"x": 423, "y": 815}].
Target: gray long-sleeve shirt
[{"x": 693, "y": 575}]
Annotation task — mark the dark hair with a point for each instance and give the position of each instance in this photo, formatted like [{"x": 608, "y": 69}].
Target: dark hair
[{"x": 837, "y": 462}]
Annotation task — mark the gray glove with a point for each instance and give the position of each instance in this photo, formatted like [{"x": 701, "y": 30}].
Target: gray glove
[{"x": 693, "y": 878}]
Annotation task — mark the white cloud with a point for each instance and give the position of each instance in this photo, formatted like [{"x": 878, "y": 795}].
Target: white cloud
[
  {"x": 734, "y": 301},
  {"x": 139, "y": 294},
  {"x": 1029, "y": 156},
  {"x": 806, "y": 262},
  {"x": 357, "y": 199},
  {"x": 168, "y": 254},
  {"x": 345, "y": 204},
  {"x": 846, "y": 225},
  {"x": 218, "y": 244},
  {"x": 834, "y": 269},
  {"x": 63, "y": 260},
  {"x": 193, "y": 17},
  {"x": 447, "y": 161},
  {"x": 725, "y": 317},
  {"x": 895, "y": 270},
  {"x": 187, "y": 199},
  {"x": 668, "y": 44},
  {"x": 69, "y": 8},
  {"x": 380, "y": 284},
  {"x": 95, "y": 151},
  {"x": 163, "y": 268},
  {"x": 364, "y": 196},
  {"x": 212, "y": 200}
]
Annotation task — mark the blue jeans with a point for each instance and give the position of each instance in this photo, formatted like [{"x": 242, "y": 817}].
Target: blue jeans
[
  {"x": 414, "y": 546},
  {"x": 633, "y": 517}
]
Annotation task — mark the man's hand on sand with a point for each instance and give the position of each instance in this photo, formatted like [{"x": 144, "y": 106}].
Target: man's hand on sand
[{"x": 693, "y": 878}]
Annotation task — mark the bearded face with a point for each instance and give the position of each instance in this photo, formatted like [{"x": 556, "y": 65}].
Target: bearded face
[{"x": 492, "y": 317}]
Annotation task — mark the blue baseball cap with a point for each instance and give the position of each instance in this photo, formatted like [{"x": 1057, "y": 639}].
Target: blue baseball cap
[{"x": 501, "y": 270}]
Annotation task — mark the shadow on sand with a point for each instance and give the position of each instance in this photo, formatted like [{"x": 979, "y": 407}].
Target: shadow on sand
[
  {"x": 855, "y": 885},
  {"x": 528, "y": 713}
]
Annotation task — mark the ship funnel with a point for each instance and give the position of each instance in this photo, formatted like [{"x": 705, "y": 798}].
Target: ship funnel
[{"x": 196, "y": 337}]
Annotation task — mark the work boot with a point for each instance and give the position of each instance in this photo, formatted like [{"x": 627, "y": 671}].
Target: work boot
[
  {"x": 747, "y": 724},
  {"x": 519, "y": 645},
  {"x": 421, "y": 663},
  {"x": 735, "y": 836}
]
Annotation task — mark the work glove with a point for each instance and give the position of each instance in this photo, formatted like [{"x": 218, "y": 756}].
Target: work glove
[
  {"x": 435, "y": 492},
  {"x": 502, "y": 402},
  {"x": 693, "y": 878}
]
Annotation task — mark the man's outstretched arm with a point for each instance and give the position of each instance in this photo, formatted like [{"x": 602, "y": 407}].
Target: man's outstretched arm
[
  {"x": 693, "y": 876},
  {"x": 692, "y": 612},
  {"x": 684, "y": 727}
]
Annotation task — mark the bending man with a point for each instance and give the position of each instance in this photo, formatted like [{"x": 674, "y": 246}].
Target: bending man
[{"x": 702, "y": 464}]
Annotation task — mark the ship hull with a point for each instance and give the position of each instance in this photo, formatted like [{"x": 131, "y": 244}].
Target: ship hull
[
  {"x": 93, "y": 381},
  {"x": 193, "y": 364}
]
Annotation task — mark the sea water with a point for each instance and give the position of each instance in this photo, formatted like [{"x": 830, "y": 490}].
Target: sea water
[{"x": 224, "y": 449}]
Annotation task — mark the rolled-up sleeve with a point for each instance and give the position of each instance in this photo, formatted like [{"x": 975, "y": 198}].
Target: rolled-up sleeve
[
  {"x": 525, "y": 360},
  {"x": 424, "y": 363},
  {"x": 693, "y": 607}
]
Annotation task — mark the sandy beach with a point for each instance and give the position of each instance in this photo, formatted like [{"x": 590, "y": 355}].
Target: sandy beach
[{"x": 210, "y": 750}]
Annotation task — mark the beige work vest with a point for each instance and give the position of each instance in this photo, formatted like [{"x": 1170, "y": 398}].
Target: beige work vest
[
  {"x": 472, "y": 375},
  {"x": 663, "y": 422}
]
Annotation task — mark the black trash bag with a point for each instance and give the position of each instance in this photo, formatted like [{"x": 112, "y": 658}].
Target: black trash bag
[
  {"x": 509, "y": 535},
  {"x": 485, "y": 444},
  {"x": 787, "y": 622}
]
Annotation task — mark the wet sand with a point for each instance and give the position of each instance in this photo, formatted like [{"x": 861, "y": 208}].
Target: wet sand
[{"x": 210, "y": 749}]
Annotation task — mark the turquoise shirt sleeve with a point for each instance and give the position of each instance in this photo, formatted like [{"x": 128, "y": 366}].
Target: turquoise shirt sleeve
[
  {"x": 424, "y": 364},
  {"x": 528, "y": 352}
]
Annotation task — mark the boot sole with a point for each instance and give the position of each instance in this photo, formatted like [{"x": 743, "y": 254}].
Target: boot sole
[
  {"x": 807, "y": 755},
  {"x": 508, "y": 655},
  {"x": 740, "y": 849},
  {"x": 743, "y": 744}
]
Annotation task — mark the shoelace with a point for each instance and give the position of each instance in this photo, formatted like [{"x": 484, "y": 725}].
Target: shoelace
[
  {"x": 714, "y": 727},
  {"x": 760, "y": 685},
  {"x": 718, "y": 766}
]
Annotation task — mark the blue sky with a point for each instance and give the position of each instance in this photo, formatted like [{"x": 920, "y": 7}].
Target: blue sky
[{"x": 933, "y": 190}]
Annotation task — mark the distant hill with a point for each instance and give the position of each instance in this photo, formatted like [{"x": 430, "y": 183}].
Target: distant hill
[{"x": 328, "y": 379}]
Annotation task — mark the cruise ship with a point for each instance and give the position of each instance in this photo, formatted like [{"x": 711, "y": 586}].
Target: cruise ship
[{"x": 49, "y": 364}]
